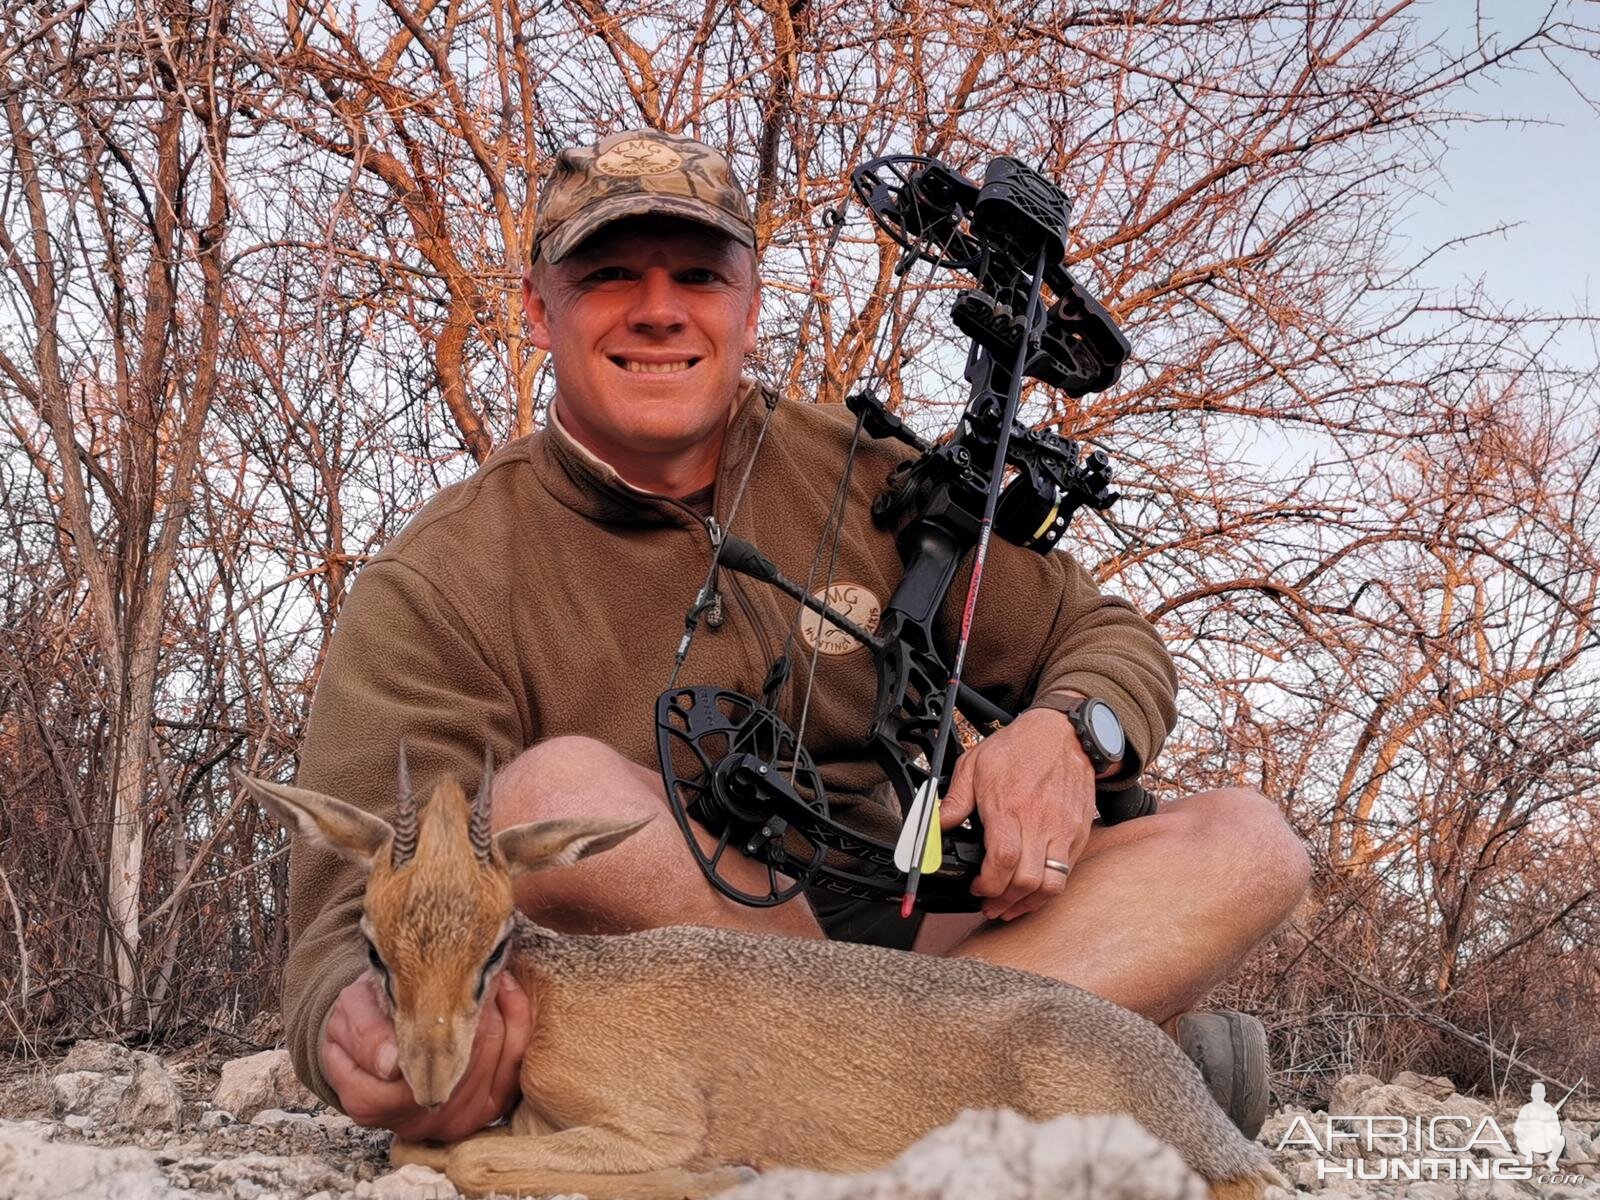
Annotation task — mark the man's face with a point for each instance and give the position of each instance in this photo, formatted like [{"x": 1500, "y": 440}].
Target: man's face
[{"x": 648, "y": 322}]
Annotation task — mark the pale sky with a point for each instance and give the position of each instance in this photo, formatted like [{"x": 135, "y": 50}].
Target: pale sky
[{"x": 1543, "y": 177}]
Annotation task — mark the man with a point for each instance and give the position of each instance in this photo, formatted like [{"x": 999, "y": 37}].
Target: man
[{"x": 539, "y": 604}]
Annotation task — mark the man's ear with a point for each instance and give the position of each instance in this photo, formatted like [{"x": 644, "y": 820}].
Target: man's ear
[
  {"x": 754, "y": 315},
  {"x": 533, "y": 307},
  {"x": 560, "y": 843},
  {"x": 354, "y": 833}
]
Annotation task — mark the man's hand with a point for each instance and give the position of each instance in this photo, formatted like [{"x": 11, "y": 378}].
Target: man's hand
[
  {"x": 1034, "y": 789},
  {"x": 361, "y": 1062}
]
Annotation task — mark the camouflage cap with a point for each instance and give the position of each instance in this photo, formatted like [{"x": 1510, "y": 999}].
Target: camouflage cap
[{"x": 630, "y": 174}]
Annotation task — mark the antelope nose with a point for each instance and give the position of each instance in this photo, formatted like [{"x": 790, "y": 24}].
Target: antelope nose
[{"x": 425, "y": 1089}]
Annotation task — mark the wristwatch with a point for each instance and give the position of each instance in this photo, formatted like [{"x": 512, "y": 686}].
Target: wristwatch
[{"x": 1099, "y": 732}]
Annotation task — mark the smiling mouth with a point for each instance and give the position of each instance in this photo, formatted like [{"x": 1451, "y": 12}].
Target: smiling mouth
[{"x": 639, "y": 367}]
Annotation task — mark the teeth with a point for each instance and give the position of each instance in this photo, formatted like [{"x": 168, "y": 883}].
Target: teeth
[{"x": 654, "y": 368}]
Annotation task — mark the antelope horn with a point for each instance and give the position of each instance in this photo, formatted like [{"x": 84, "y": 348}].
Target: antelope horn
[
  {"x": 478, "y": 831},
  {"x": 405, "y": 816}
]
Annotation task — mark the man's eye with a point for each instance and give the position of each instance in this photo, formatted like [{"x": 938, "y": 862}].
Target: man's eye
[
  {"x": 700, "y": 275},
  {"x": 607, "y": 274}
]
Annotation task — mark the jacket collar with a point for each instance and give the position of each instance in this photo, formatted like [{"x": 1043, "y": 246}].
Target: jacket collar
[{"x": 591, "y": 487}]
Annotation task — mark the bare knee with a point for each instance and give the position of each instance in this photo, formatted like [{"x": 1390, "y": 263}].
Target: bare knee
[
  {"x": 573, "y": 777},
  {"x": 1241, "y": 828},
  {"x": 652, "y": 878},
  {"x": 567, "y": 777}
]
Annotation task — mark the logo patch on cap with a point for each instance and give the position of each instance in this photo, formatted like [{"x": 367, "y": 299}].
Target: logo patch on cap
[
  {"x": 638, "y": 156},
  {"x": 849, "y": 600}
]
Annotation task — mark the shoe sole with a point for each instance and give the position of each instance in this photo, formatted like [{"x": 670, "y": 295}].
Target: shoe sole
[{"x": 1230, "y": 1048}]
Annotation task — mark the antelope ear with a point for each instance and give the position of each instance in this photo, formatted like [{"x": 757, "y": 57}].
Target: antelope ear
[
  {"x": 354, "y": 833},
  {"x": 542, "y": 844}
]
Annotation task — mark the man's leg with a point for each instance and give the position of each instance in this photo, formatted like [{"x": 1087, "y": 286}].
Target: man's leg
[
  {"x": 647, "y": 881},
  {"x": 1158, "y": 910}
]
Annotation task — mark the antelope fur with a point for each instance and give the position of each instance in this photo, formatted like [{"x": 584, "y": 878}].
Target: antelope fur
[{"x": 663, "y": 1061}]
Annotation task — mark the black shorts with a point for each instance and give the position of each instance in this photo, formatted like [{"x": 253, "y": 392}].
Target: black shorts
[{"x": 874, "y": 922}]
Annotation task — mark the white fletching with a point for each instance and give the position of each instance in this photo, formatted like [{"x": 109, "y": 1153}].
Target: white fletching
[{"x": 910, "y": 847}]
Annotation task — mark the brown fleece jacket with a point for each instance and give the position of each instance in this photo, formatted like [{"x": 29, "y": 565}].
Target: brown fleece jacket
[{"x": 544, "y": 596}]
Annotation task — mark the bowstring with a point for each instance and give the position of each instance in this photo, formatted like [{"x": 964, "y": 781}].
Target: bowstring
[
  {"x": 986, "y": 529},
  {"x": 704, "y": 598}
]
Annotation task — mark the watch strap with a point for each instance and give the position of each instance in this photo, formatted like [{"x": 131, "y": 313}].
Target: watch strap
[{"x": 1118, "y": 795}]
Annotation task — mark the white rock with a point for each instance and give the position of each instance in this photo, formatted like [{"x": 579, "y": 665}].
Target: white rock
[
  {"x": 214, "y": 1118},
  {"x": 1391, "y": 1101},
  {"x": 258, "y": 1081},
  {"x": 78, "y": 1121},
  {"x": 1304, "y": 1174},
  {"x": 90, "y": 1055},
  {"x": 334, "y": 1122},
  {"x": 1477, "y": 1189},
  {"x": 1581, "y": 1190},
  {"x": 87, "y": 1094},
  {"x": 411, "y": 1182},
  {"x": 1277, "y": 1126},
  {"x": 1348, "y": 1091},
  {"x": 34, "y": 1169},
  {"x": 1580, "y": 1149},
  {"x": 1435, "y": 1086},
  {"x": 1003, "y": 1156},
  {"x": 277, "y": 1116},
  {"x": 152, "y": 1100},
  {"x": 249, "y": 1175}
]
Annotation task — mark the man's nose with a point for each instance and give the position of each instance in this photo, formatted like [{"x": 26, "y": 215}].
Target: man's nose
[{"x": 657, "y": 301}]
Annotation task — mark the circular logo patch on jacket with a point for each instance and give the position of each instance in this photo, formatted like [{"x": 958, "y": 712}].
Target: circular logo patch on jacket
[
  {"x": 850, "y": 600},
  {"x": 638, "y": 156}
]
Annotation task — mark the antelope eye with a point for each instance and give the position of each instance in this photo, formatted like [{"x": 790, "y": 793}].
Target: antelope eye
[
  {"x": 495, "y": 959},
  {"x": 378, "y": 965}
]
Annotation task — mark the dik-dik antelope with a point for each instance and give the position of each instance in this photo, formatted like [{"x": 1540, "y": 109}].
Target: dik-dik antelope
[{"x": 663, "y": 1060}]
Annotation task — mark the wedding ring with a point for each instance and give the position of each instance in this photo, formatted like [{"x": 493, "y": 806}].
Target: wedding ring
[{"x": 1058, "y": 866}]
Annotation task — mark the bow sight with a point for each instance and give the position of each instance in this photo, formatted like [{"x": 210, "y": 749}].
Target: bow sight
[{"x": 729, "y": 761}]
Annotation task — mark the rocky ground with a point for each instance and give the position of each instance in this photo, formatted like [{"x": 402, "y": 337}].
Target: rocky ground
[{"x": 107, "y": 1123}]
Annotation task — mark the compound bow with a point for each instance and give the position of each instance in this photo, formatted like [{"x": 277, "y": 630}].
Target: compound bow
[{"x": 728, "y": 761}]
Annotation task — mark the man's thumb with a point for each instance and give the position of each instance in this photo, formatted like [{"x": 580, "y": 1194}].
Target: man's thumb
[{"x": 956, "y": 807}]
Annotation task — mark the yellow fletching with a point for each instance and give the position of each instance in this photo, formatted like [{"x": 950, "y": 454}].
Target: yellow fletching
[{"x": 933, "y": 849}]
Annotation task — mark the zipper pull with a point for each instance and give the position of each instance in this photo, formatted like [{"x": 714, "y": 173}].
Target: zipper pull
[{"x": 712, "y": 601}]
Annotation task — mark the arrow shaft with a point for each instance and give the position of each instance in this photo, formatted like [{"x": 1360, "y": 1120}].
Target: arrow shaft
[{"x": 991, "y": 501}]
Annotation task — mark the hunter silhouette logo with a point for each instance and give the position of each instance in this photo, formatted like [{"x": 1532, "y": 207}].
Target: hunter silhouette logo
[
  {"x": 638, "y": 156},
  {"x": 1538, "y": 1129}
]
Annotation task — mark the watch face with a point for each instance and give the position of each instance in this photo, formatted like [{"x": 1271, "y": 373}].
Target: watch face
[{"x": 1107, "y": 729}]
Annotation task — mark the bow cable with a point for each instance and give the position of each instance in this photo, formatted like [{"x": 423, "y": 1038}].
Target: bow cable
[
  {"x": 706, "y": 597},
  {"x": 834, "y": 526}
]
